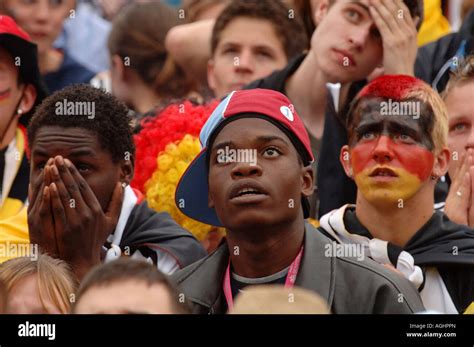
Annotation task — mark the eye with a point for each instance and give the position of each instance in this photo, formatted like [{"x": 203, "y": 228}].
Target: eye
[
  {"x": 55, "y": 3},
  {"x": 82, "y": 168},
  {"x": 271, "y": 152},
  {"x": 368, "y": 136},
  {"x": 353, "y": 15},
  {"x": 405, "y": 138},
  {"x": 459, "y": 127},
  {"x": 230, "y": 50},
  {"x": 264, "y": 54},
  {"x": 40, "y": 166}
]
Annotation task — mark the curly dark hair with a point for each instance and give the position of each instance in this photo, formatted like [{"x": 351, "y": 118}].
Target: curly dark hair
[
  {"x": 289, "y": 29},
  {"x": 111, "y": 122}
]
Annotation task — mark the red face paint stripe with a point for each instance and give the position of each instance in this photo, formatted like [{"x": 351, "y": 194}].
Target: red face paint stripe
[
  {"x": 5, "y": 94},
  {"x": 414, "y": 158}
]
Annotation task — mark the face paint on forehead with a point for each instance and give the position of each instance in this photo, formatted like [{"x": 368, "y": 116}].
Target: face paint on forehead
[{"x": 391, "y": 117}]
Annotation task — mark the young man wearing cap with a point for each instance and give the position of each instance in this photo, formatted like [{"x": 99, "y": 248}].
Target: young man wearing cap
[
  {"x": 397, "y": 150},
  {"x": 21, "y": 90},
  {"x": 260, "y": 198}
]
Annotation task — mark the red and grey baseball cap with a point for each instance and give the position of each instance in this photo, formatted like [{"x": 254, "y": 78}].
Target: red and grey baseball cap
[
  {"x": 18, "y": 43},
  {"x": 191, "y": 195}
]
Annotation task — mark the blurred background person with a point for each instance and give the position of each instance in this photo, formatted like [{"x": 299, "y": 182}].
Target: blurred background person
[
  {"x": 249, "y": 40},
  {"x": 43, "y": 20},
  {"x": 38, "y": 286},
  {"x": 21, "y": 90},
  {"x": 459, "y": 101},
  {"x": 143, "y": 75},
  {"x": 84, "y": 36},
  {"x": 276, "y": 299},
  {"x": 127, "y": 286}
]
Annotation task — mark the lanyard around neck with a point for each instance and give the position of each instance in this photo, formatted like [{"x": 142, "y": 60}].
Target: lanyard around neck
[{"x": 289, "y": 281}]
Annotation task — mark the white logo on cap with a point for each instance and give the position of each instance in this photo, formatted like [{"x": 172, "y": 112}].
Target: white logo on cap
[{"x": 286, "y": 111}]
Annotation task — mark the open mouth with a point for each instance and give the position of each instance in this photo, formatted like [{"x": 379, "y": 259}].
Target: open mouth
[
  {"x": 247, "y": 191},
  {"x": 383, "y": 172}
]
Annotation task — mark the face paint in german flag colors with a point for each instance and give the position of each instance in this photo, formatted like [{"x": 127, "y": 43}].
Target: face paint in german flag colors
[
  {"x": 387, "y": 170},
  {"x": 391, "y": 155},
  {"x": 5, "y": 95}
]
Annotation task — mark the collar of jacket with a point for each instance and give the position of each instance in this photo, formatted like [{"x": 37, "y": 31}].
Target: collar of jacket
[{"x": 316, "y": 273}]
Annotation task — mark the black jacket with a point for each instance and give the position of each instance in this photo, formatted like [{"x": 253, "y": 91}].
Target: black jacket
[
  {"x": 348, "y": 285},
  {"x": 432, "y": 57},
  {"x": 147, "y": 229}
]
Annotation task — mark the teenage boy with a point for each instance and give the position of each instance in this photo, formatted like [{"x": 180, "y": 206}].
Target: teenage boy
[
  {"x": 81, "y": 207},
  {"x": 460, "y": 105},
  {"x": 351, "y": 39},
  {"x": 43, "y": 20},
  {"x": 253, "y": 177},
  {"x": 127, "y": 286},
  {"x": 249, "y": 40},
  {"x": 397, "y": 151}
]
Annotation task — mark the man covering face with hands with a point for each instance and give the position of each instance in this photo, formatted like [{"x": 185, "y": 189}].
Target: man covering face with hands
[{"x": 81, "y": 207}]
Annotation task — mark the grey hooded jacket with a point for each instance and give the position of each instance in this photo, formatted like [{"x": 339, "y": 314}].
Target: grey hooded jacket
[{"x": 349, "y": 285}]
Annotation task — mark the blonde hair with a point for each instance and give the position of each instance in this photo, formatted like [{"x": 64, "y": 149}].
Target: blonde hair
[
  {"x": 439, "y": 133},
  {"x": 56, "y": 281},
  {"x": 464, "y": 73},
  {"x": 276, "y": 299}
]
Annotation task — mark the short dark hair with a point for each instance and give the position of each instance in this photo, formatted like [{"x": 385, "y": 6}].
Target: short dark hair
[
  {"x": 126, "y": 269},
  {"x": 111, "y": 122},
  {"x": 289, "y": 29}
]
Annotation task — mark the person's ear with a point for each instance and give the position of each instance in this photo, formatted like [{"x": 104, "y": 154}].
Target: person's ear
[
  {"x": 322, "y": 8},
  {"x": 211, "y": 78},
  {"x": 441, "y": 163},
  {"x": 307, "y": 181},
  {"x": 118, "y": 67},
  {"x": 27, "y": 100},
  {"x": 210, "y": 201},
  {"x": 126, "y": 170},
  {"x": 345, "y": 159},
  {"x": 416, "y": 20}
]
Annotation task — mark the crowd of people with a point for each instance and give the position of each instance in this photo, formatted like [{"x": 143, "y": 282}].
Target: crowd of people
[{"x": 236, "y": 156}]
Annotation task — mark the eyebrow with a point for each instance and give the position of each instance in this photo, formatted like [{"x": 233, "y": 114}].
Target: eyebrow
[
  {"x": 363, "y": 6},
  {"x": 260, "y": 140}
]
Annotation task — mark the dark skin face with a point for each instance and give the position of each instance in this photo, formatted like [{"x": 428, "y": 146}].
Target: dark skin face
[
  {"x": 278, "y": 176},
  {"x": 75, "y": 195},
  {"x": 83, "y": 149}
]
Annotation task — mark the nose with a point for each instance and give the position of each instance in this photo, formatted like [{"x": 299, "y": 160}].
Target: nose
[
  {"x": 42, "y": 11},
  {"x": 383, "y": 152},
  {"x": 470, "y": 139},
  {"x": 242, "y": 169},
  {"x": 245, "y": 63},
  {"x": 359, "y": 36}
]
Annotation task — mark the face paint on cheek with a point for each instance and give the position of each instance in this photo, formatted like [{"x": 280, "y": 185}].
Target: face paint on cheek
[
  {"x": 412, "y": 165},
  {"x": 417, "y": 160},
  {"x": 5, "y": 95}
]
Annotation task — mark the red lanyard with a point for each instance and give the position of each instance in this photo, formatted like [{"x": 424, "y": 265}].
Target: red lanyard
[{"x": 289, "y": 282}]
